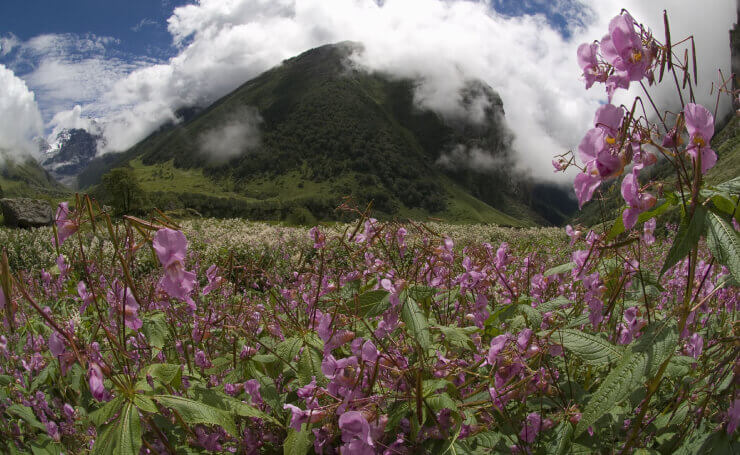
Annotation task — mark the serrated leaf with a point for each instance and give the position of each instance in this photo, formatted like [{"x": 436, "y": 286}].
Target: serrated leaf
[
  {"x": 245, "y": 410},
  {"x": 26, "y": 414},
  {"x": 372, "y": 303},
  {"x": 145, "y": 403},
  {"x": 592, "y": 349},
  {"x": 416, "y": 323},
  {"x": 458, "y": 336},
  {"x": 616, "y": 387},
  {"x": 155, "y": 329},
  {"x": 44, "y": 445},
  {"x": 309, "y": 366},
  {"x": 169, "y": 374},
  {"x": 487, "y": 439},
  {"x": 121, "y": 437},
  {"x": 724, "y": 243},
  {"x": 564, "y": 435},
  {"x": 288, "y": 349},
  {"x": 534, "y": 317},
  {"x": 553, "y": 305},
  {"x": 561, "y": 269},
  {"x": 688, "y": 236},
  {"x": 196, "y": 412},
  {"x": 730, "y": 186},
  {"x": 107, "y": 412},
  {"x": 297, "y": 442}
]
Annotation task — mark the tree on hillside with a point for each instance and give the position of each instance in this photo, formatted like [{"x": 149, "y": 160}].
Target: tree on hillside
[{"x": 122, "y": 190}]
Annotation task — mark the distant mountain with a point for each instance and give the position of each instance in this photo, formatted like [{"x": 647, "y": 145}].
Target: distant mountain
[
  {"x": 70, "y": 154},
  {"x": 26, "y": 178},
  {"x": 297, "y": 139}
]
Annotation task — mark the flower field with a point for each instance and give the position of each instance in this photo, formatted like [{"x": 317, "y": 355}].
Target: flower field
[{"x": 156, "y": 336}]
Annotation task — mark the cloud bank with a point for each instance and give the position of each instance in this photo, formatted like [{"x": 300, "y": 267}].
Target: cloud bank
[
  {"x": 238, "y": 134},
  {"x": 443, "y": 43},
  {"x": 20, "y": 119}
]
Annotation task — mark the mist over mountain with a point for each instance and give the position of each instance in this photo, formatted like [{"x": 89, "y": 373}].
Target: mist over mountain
[{"x": 317, "y": 128}]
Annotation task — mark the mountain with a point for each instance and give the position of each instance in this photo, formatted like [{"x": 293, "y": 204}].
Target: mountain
[
  {"x": 298, "y": 138},
  {"x": 70, "y": 154},
  {"x": 26, "y": 178}
]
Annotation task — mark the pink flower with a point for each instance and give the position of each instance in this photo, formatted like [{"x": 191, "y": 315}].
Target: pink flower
[
  {"x": 171, "y": 248},
  {"x": 700, "y": 125},
  {"x": 585, "y": 185},
  {"x": 354, "y": 426},
  {"x": 318, "y": 237},
  {"x": 97, "y": 389},
  {"x": 647, "y": 231},
  {"x": 87, "y": 297},
  {"x": 623, "y": 49},
  {"x": 531, "y": 428},
  {"x": 65, "y": 226},
  {"x": 638, "y": 201},
  {"x": 733, "y": 416},
  {"x": 56, "y": 344},
  {"x": 695, "y": 345},
  {"x": 587, "y": 61},
  {"x": 497, "y": 345}
]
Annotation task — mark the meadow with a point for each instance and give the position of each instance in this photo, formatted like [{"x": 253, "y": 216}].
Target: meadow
[{"x": 143, "y": 336}]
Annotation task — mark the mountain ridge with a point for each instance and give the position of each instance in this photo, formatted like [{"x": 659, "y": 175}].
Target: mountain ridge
[{"x": 323, "y": 122}]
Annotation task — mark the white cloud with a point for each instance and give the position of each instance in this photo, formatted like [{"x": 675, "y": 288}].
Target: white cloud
[
  {"x": 525, "y": 59},
  {"x": 20, "y": 120},
  {"x": 236, "y": 136},
  {"x": 7, "y": 44}
]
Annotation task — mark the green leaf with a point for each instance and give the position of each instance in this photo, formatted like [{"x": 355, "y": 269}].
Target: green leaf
[
  {"x": 553, "y": 305},
  {"x": 309, "y": 366},
  {"x": 287, "y": 350},
  {"x": 617, "y": 386},
  {"x": 592, "y": 349},
  {"x": 688, "y": 236},
  {"x": 730, "y": 186},
  {"x": 534, "y": 317},
  {"x": 26, "y": 414},
  {"x": 372, "y": 303},
  {"x": 561, "y": 269},
  {"x": 416, "y": 323},
  {"x": 196, "y": 412},
  {"x": 458, "y": 336},
  {"x": 487, "y": 439},
  {"x": 564, "y": 435},
  {"x": 122, "y": 437},
  {"x": 679, "y": 366},
  {"x": 44, "y": 445},
  {"x": 145, "y": 404},
  {"x": 107, "y": 411},
  {"x": 724, "y": 243},
  {"x": 155, "y": 329},
  {"x": 245, "y": 410},
  {"x": 166, "y": 373},
  {"x": 297, "y": 442}
]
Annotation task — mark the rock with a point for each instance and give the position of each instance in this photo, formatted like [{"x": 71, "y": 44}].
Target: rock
[{"x": 26, "y": 213}]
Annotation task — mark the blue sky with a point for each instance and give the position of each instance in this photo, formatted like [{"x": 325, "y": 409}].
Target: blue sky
[{"x": 139, "y": 25}]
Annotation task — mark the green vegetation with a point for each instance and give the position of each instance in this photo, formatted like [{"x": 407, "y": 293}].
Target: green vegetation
[
  {"x": 28, "y": 179},
  {"x": 329, "y": 131}
]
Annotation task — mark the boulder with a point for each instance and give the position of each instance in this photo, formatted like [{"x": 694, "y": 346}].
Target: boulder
[{"x": 26, "y": 213}]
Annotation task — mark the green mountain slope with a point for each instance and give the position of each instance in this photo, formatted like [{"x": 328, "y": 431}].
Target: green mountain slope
[
  {"x": 27, "y": 178},
  {"x": 326, "y": 131}
]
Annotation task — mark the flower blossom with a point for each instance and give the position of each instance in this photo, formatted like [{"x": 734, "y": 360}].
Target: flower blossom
[
  {"x": 97, "y": 389},
  {"x": 171, "y": 248},
  {"x": 65, "y": 226},
  {"x": 700, "y": 125},
  {"x": 638, "y": 201}
]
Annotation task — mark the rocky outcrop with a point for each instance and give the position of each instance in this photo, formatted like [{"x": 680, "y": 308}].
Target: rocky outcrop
[{"x": 26, "y": 213}]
